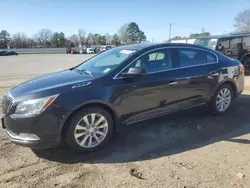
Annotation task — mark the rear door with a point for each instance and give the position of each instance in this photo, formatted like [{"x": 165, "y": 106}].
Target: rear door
[{"x": 197, "y": 76}]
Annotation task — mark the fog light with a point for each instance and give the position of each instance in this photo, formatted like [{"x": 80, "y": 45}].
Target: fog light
[
  {"x": 23, "y": 136},
  {"x": 29, "y": 137}
]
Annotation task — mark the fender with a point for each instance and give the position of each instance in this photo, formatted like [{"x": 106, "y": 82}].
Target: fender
[
  {"x": 224, "y": 81},
  {"x": 115, "y": 112}
]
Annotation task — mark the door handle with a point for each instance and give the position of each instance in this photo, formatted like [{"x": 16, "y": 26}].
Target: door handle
[
  {"x": 172, "y": 83},
  {"x": 213, "y": 75}
]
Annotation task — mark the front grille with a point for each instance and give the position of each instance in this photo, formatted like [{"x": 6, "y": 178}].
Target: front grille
[{"x": 7, "y": 102}]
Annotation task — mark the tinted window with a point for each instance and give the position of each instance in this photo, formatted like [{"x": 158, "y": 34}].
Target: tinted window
[
  {"x": 155, "y": 61},
  {"x": 211, "y": 58},
  {"x": 191, "y": 57}
]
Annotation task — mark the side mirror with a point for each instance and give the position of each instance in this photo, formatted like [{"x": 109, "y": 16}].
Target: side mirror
[{"x": 134, "y": 71}]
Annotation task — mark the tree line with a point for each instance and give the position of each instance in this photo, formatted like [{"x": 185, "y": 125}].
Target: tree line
[{"x": 128, "y": 34}]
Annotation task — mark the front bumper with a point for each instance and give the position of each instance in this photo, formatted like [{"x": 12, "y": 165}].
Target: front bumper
[
  {"x": 34, "y": 144},
  {"x": 37, "y": 132}
]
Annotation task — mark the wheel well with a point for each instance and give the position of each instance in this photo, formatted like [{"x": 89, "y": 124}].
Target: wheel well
[
  {"x": 106, "y": 107},
  {"x": 232, "y": 85}
]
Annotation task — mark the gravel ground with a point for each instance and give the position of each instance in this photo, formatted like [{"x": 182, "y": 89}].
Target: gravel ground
[{"x": 184, "y": 150}]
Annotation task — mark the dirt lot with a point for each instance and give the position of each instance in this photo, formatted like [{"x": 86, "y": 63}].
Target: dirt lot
[{"x": 184, "y": 150}]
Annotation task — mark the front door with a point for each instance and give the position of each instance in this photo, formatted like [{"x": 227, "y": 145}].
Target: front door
[{"x": 151, "y": 94}]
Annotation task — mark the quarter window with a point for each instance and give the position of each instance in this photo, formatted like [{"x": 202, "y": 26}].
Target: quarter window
[{"x": 211, "y": 58}]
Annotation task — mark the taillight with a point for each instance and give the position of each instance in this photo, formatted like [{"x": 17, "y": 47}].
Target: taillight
[{"x": 242, "y": 69}]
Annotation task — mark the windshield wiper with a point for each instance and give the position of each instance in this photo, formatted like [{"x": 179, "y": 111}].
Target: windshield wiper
[{"x": 86, "y": 72}]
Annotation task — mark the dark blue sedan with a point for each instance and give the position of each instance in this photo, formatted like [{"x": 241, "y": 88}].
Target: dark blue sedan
[{"x": 83, "y": 105}]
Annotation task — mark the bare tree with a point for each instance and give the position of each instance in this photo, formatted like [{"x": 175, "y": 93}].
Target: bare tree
[
  {"x": 19, "y": 40},
  {"x": 43, "y": 37},
  {"x": 124, "y": 37},
  {"x": 243, "y": 21},
  {"x": 81, "y": 35},
  {"x": 90, "y": 39},
  {"x": 74, "y": 38},
  {"x": 109, "y": 38}
]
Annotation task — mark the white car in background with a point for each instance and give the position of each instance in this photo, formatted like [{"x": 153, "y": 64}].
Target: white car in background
[{"x": 90, "y": 51}]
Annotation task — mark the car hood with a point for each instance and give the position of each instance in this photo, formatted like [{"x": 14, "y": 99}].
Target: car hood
[{"x": 56, "y": 82}]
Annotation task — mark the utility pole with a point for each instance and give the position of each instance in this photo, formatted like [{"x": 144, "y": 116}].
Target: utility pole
[
  {"x": 170, "y": 27},
  {"x": 203, "y": 30}
]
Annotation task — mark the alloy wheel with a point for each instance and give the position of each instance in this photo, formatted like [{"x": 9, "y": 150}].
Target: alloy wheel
[
  {"x": 223, "y": 100},
  {"x": 91, "y": 130}
]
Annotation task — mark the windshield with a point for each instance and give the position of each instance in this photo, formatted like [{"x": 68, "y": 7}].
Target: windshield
[
  {"x": 105, "y": 62},
  {"x": 209, "y": 43}
]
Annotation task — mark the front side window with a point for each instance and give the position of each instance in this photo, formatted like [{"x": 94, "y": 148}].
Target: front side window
[
  {"x": 209, "y": 42},
  {"x": 105, "y": 62},
  {"x": 224, "y": 43},
  {"x": 158, "y": 60},
  {"x": 192, "y": 57}
]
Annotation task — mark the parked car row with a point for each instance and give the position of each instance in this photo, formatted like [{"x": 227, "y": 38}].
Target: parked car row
[
  {"x": 7, "y": 53},
  {"x": 90, "y": 50}
]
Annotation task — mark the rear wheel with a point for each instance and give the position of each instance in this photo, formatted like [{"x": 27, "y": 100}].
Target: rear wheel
[
  {"x": 222, "y": 99},
  {"x": 90, "y": 129},
  {"x": 246, "y": 63}
]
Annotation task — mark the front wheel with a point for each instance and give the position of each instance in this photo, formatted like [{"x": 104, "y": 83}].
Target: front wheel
[
  {"x": 222, "y": 99},
  {"x": 90, "y": 129}
]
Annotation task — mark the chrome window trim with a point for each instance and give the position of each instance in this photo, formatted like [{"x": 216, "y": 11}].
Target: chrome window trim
[{"x": 169, "y": 47}]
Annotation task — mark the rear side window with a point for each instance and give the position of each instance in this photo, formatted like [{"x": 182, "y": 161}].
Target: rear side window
[{"x": 194, "y": 57}]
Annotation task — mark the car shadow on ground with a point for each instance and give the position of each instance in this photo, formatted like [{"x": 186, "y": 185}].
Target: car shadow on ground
[{"x": 165, "y": 136}]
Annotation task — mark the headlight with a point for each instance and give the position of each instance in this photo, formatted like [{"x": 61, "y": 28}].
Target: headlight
[{"x": 35, "y": 106}]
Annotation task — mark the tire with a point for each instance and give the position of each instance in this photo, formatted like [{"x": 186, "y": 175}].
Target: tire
[
  {"x": 246, "y": 63},
  {"x": 80, "y": 129},
  {"x": 227, "y": 99}
]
